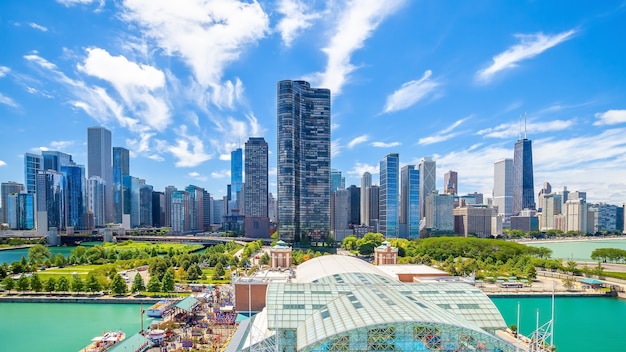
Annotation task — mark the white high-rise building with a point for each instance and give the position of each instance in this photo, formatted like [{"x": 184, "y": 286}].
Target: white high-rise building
[
  {"x": 366, "y": 182},
  {"x": 576, "y": 215},
  {"x": 99, "y": 163},
  {"x": 551, "y": 205},
  {"x": 503, "y": 187}
]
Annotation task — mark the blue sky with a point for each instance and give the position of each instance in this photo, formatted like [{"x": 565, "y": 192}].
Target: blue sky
[{"x": 182, "y": 83}]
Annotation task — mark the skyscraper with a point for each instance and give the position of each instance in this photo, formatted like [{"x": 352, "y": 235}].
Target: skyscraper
[
  {"x": 503, "y": 187},
  {"x": 256, "y": 192},
  {"x": 95, "y": 200},
  {"x": 409, "y": 202},
  {"x": 354, "y": 202},
  {"x": 33, "y": 163},
  {"x": 428, "y": 182},
  {"x": 389, "y": 192},
  {"x": 451, "y": 182},
  {"x": 336, "y": 180},
  {"x": 74, "y": 195},
  {"x": 303, "y": 161},
  {"x": 366, "y": 182},
  {"x": 99, "y": 164},
  {"x": 236, "y": 176},
  {"x": 121, "y": 167},
  {"x": 53, "y": 160},
  {"x": 8, "y": 188},
  {"x": 523, "y": 184}
]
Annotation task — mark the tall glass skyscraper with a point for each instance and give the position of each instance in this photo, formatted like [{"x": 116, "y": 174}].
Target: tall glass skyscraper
[
  {"x": 523, "y": 183},
  {"x": 74, "y": 195},
  {"x": 33, "y": 163},
  {"x": 50, "y": 200},
  {"x": 336, "y": 180},
  {"x": 99, "y": 163},
  {"x": 389, "y": 193},
  {"x": 6, "y": 189},
  {"x": 121, "y": 167},
  {"x": 257, "y": 188},
  {"x": 428, "y": 182},
  {"x": 409, "y": 202},
  {"x": 303, "y": 161},
  {"x": 236, "y": 175},
  {"x": 53, "y": 160}
]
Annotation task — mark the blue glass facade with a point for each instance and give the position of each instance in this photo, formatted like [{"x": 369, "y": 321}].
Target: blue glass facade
[
  {"x": 523, "y": 183},
  {"x": 75, "y": 190},
  {"x": 389, "y": 195},
  {"x": 51, "y": 197},
  {"x": 410, "y": 202},
  {"x": 32, "y": 165},
  {"x": 236, "y": 175},
  {"x": 121, "y": 167},
  {"x": 303, "y": 161}
]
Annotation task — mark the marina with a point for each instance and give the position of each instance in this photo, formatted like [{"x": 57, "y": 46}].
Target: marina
[{"x": 104, "y": 342}]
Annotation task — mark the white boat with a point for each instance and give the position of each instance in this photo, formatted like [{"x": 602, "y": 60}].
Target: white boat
[{"x": 105, "y": 341}]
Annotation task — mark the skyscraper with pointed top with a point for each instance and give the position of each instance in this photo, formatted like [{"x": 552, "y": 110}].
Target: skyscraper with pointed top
[{"x": 523, "y": 179}]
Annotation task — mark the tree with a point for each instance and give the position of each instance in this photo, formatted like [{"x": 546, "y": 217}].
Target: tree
[
  {"x": 23, "y": 283},
  {"x": 219, "y": 270},
  {"x": 59, "y": 260},
  {"x": 349, "y": 243},
  {"x": 62, "y": 285},
  {"x": 138, "y": 284},
  {"x": 118, "y": 286},
  {"x": 168, "y": 282},
  {"x": 77, "y": 283},
  {"x": 8, "y": 283},
  {"x": 38, "y": 253},
  {"x": 35, "y": 283},
  {"x": 265, "y": 259},
  {"x": 154, "y": 285},
  {"x": 92, "y": 284},
  {"x": 568, "y": 283},
  {"x": 50, "y": 285}
]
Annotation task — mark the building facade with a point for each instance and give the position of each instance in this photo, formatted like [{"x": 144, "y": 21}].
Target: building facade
[
  {"x": 366, "y": 182},
  {"x": 389, "y": 205},
  {"x": 99, "y": 163},
  {"x": 451, "y": 182},
  {"x": 523, "y": 179},
  {"x": 428, "y": 181},
  {"x": 503, "y": 187},
  {"x": 409, "y": 202},
  {"x": 257, "y": 189},
  {"x": 33, "y": 163},
  {"x": 303, "y": 161},
  {"x": 6, "y": 189},
  {"x": 121, "y": 168}
]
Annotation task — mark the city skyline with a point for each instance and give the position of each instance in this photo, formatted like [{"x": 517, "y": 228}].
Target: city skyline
[{"x": 440, "y": 80}]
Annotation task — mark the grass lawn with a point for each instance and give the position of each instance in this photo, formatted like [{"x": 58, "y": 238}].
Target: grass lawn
[
  {"x": 615, "y": 274},
  {"x": 68, "y": 271}
]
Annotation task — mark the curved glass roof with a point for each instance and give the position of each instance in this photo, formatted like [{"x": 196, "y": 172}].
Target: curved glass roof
[{"x": 329, "y": 265}]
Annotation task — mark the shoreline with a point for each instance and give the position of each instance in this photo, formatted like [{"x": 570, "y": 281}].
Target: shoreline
[
  {"x": 572, "y": 239},
  {"x": 33, "y": 298}
]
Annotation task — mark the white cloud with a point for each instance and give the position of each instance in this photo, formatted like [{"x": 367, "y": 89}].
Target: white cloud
[
  {"x": 61, "y": 145},
  {"x": 38, "y": 26},
  {"x": 297, "y": 16},
  {"x": 140, "y": 86},
  {"x": 353, "y": 26},
  {"x": 8, "y": 101},
  {"x": 335, "y": 147},
  {"x": 530, "y": 46},
  {"x": 512, "y": 129},
  {"x": 359, "y": 168},
  {"x": 444, "y": 134},
  {"x": 207, "y": 35},
  {"x": 610, "y": 117},
  {"x": 358, "y": 140},
  {"x": 196, "y": 176},
  {"x": 4, "y": 70},
  {"x": 2, "y": 163},
  {"x": 40, "y": 61},
  {"x": 69, "y": 3},
  {"x": 410, "y": 93},
  {"x": 221, "y": 174},
  {"x": 385, "y": 145},
  {"x": 189, "y": 150}
]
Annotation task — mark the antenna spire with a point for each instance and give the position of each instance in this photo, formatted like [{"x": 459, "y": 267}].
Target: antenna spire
[{"x": 524, "y": 125}]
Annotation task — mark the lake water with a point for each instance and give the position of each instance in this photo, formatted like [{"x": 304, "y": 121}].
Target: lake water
[
  {"x": 582, "y": 324},
  {"x": 578, "y": 250}
]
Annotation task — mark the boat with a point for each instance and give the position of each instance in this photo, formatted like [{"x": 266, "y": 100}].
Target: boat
[
  {"x": 105, "y": 341},
  {"x": 157, "y": 310}
]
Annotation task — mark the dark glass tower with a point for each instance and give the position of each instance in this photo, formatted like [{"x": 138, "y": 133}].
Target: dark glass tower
[
  {"x": 121, "y": 167},
  {"x": 523, "y": 184},
  {"x": 303, "y": 161}
]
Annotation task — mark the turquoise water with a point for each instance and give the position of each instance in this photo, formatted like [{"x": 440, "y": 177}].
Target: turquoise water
[
  {"x": 13, "y": 255},
  {"x": 62, "y": 327},
  {"x": 581, "y": 324},
  {"x": 579, "y": 250}
]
